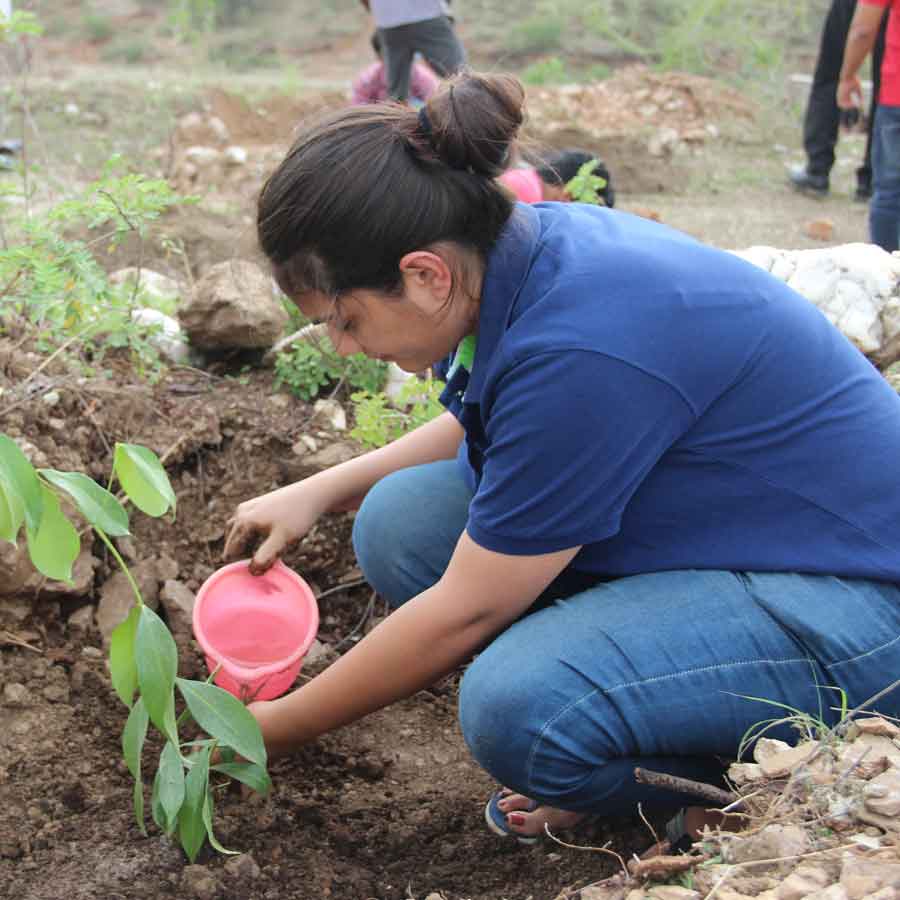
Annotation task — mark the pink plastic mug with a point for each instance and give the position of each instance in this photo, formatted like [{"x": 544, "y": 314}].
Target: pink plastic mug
[{"x": 255, "y": 629}]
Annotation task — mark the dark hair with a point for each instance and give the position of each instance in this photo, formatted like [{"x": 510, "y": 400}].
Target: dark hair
[
  {"x": 375, "y": 41},
  {"x": 562, "y": 166},
  {"x": 363, "y": 186}
]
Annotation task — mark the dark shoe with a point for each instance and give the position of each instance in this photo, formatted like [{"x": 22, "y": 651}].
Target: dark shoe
[
  {"x": 807, "y": 182},
  {"x": 863, "y": 192}
]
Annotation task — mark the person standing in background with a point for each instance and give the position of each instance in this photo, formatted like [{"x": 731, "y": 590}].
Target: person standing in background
[
  {"x": 884, "y": 210},
  {"x": 406, "y": 27},
  {"x": 823, "y": 119}
]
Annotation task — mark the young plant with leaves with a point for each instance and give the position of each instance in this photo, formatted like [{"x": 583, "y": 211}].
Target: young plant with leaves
[
  {"x": 380, "y": 420},
  {"x": 143, "y": 656},
  {"x": 586, "y": 187}
]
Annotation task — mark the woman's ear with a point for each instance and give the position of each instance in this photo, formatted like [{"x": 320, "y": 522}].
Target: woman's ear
[{"x": 427, "y": 279}]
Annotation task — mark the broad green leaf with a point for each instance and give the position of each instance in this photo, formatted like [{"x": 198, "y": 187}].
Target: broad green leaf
[
  {"x": 191, "y": 827},
  {"x": 133, "y": 736},
  {"x": 207, "y": 821},
  {"x": 252, "y": 775},
  {"x": 143, "y": 479},
  {"x": 157, "y": 665},
  {"x": 224, "y": 717},
  {"x": 171, "y": 784},
  {"x": 97, "y": 504},
  {"x": 12, "y": 513},
  {"x": 122, "y": 662},
  {"x": 21, "y": 479},
  {"x": 156, "y": 809},
  {"x": 137, "y": 802},
  {"x": 54, "y": 547}
]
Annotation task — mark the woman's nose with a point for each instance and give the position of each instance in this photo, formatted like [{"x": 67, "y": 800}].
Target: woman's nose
[{"x": 343, "y": 343}]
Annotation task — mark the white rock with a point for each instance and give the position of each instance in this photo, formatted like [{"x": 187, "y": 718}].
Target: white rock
[
  {"x": 235, "y": 156},
  {"x": 153, "y": 286},
  {"x": 741, "y": 773},
  {"x": 333, "y": 412},
  {"x": 219, "y": 128},
  {"x": 882, "y": 793},
  {"x": 203, "y": 157},
  {"x": 803, "y": 881},
  {"x": 166, "y": 334},
  {"x": 861, "y": 878}
]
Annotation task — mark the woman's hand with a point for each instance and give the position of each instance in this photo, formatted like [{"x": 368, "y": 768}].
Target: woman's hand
[{"x": 272, "y": 521}]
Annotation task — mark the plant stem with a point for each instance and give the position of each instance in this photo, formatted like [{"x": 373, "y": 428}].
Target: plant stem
[{"x": 122, "y": 565}]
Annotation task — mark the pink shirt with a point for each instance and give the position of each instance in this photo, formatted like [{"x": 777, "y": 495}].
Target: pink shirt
[
  {"x": 524, "y": 183},
  {"x": 370, "y": 86}
]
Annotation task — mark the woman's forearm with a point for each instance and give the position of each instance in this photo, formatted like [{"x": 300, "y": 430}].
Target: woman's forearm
[
  {"x": 414, "y": 647},
  {"x": 346, "y": 484}
]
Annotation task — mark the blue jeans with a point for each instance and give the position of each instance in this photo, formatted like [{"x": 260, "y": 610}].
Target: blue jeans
[
  {"x": 884, "y": 208},
  {"x": 652, "y": 670}
]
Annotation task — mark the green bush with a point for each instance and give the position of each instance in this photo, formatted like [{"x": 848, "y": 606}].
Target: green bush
[
  {"x": 379, "y": 420},
  {"x": 308, "y": 367},
  {"x": 56, "y": 282}
]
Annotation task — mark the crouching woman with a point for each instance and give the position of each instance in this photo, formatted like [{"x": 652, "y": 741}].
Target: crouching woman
[{"x": 663, "y": 483}]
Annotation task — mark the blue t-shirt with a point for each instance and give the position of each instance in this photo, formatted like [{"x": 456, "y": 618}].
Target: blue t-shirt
[{"x": 668, "y": 405}]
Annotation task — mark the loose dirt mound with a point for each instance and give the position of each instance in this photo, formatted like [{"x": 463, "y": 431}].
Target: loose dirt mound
[{"x": 644, "y": 124}]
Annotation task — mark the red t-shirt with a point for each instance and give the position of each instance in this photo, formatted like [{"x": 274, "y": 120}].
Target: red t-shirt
[{"x": 889, "y": 94}]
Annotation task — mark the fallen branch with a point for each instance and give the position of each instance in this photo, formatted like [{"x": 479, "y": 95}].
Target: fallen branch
[{"x": 685, "y": 786}]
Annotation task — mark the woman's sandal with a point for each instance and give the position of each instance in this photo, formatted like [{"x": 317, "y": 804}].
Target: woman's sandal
[{"x": 496, "y": 819}]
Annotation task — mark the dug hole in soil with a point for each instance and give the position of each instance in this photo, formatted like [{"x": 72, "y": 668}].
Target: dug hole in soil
[{"x": 389, "y": 808}]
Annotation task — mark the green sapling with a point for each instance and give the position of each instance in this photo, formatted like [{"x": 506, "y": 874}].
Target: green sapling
[{"x": 143, "y": 658}]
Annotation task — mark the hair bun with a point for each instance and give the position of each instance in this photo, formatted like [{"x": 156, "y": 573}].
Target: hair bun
[{"x": 472, "y": 121}]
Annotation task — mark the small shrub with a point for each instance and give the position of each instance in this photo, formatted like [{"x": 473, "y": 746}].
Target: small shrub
[
  {"x": 586, "y": 186},
  {"x": 308, "y": 367},
  {"x": 379, "y": 420}
]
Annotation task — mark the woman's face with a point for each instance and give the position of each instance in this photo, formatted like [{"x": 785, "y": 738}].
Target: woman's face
[{"x": 414, "y": 329}]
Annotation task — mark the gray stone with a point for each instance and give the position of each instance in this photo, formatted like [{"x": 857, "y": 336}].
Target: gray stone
[
  {"x": 21, "y": 578},
  {"x": 242, "y": 867},
  {"x": 772, "y": 842},
  {"x": 117, "y": 596},
  {"x": 861, "y": 878},
  {"x": 82, "y": 619},
  {"x": 15, "y": 694},
  {"x": 199, "y": 882},
  {"x": 233, "y": 305},
  {"x": 177, "y": 600}
]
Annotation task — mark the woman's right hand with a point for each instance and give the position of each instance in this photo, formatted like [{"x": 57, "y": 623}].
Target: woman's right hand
[{"x": 270, "y": 523}]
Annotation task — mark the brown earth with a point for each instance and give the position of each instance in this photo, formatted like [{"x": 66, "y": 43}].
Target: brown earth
[{"x": 388, "y": 808}]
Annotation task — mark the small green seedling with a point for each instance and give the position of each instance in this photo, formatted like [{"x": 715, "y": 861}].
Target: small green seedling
[
  {"x": 585, "y": 187},
  {"x": 143, "y": 657}
]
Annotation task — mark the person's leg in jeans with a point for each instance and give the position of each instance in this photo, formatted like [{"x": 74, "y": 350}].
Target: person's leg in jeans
[
  {"x": 407, "y": 528},
  {"x": 884, "y": 209},
  {"x": 864, "y": 172},
  {"x": 655, "y": 671}
]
